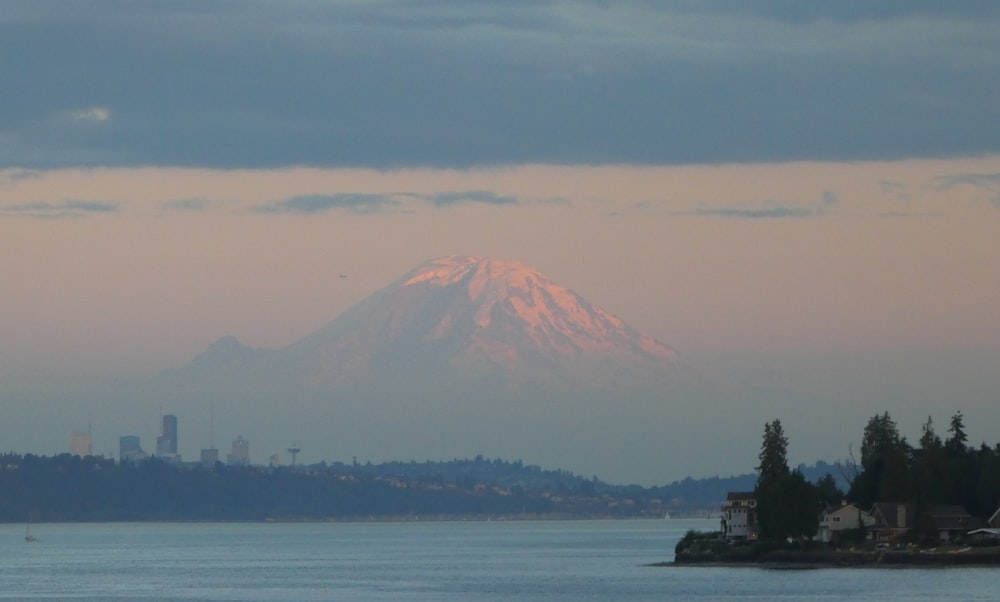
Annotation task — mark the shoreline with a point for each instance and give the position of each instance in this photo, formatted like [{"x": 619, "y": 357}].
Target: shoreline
[{"x": 811, "y": 560}]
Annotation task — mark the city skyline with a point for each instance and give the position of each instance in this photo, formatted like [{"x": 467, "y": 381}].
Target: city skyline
[{"x": 130, "y": 446}]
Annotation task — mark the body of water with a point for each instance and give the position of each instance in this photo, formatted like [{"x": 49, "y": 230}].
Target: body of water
[{"x": 440, "y": 561}]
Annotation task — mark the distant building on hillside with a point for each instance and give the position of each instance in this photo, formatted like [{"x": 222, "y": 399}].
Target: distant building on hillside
[
  {"x": 240, "y": 455},
  {"x": 166, "y": 443},
  {"x": 80, "y": 445},
  {"x": 129, "y": 449}
]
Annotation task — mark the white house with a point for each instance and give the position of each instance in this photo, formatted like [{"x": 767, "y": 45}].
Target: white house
[
  {"x": 846, "y": 516},
  {"x": 739, "y": 517}
]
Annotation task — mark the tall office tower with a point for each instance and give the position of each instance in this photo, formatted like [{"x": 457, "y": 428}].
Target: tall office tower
[
  {"x": 166, "y": 443},
  {"x": 129, "y": 449},
  {"x": 79, "y": 444},
  {"x": 241, "y": 452}
]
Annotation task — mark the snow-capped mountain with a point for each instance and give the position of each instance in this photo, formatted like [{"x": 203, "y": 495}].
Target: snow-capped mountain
[
  {"x": 461, "y": 356},
  {"x": 480, "y": 316}
]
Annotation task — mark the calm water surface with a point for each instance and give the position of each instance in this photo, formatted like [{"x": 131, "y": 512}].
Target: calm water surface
[{"x": 524, "y": 561}]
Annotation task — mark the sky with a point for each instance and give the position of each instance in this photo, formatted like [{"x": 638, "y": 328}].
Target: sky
[{"x": 794, "y": 194}]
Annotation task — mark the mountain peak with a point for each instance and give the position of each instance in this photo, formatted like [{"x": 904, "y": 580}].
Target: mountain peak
[
  {"x": 484, "y": 273},
  {"x": 508, "y": 314},
  {"x": 458, "y": 316}
]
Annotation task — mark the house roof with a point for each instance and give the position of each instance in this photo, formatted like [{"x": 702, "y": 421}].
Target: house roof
[
  {"x": 947, "y": 511},
  {"x": 952, "y": 518},
  {"x": 842, "y": 506},
  {"x": 844, "y": 510},
  {"x": 733, "y": 496},
  {"x": 887, "y": 514},
  {"x": 943, "y": 517},
  {"x": 956, "y": 523},
  {"x": 989, "y": 531}
]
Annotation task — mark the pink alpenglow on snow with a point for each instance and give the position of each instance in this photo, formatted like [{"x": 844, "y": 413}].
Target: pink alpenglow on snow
[{"x": 509, "y": 294}]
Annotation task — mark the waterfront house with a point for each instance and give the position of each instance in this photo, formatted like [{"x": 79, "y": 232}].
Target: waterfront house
[
  {"x": 951, "y": 522},
  {"x": 739, "y": 517},
  {"x": 836, "y": 519},
  {"x": 889, "y": 520}
]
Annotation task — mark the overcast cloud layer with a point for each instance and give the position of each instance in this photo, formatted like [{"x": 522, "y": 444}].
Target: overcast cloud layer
[{"x": 448, "y": 83}]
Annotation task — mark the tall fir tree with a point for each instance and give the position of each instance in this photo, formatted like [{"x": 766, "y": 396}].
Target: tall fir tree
[
  {"x": 787, "y": 504},
  {"x": 885, "y": 462}
]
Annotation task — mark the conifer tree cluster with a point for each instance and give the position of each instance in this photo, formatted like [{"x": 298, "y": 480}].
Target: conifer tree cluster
[{"x": 932, "y": 473}]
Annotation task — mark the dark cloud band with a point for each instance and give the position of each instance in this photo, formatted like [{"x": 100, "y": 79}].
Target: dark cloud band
[{"x": 461, "y": 84}]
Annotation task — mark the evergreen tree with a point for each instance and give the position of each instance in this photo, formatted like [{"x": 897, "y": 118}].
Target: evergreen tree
[
  {"x": 931, "y": 479},
  {"x": 987, "y": 494},
  {"x": 803, "y": 506},
  {"x": 827, "y": 492},
  {"x": 773, "y": 454},
  {"x": 962, "y": 464},
  {"x": 928, "y": 438},
  {"x": 787, "y": 504},
  {"x": 885, "y": 462},
  {"x": 956, "y": 442}
]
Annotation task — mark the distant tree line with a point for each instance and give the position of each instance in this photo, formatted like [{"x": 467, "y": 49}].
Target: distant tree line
[
  {"x": 934, "y": 472},
  {"x": 70, "y": 488},
  {"x": 494, "y": 471}
]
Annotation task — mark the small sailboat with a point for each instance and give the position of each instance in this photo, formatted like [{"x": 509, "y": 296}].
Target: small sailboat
[{"x": 28, "y": 536}]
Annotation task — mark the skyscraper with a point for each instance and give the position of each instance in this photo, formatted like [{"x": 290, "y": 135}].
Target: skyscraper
[
  {"x": 241, "y": 452},
  {"x": 166, "y": 443},
  {"x": 79, "y": 444},
  {"x": 129, "y": 449}
]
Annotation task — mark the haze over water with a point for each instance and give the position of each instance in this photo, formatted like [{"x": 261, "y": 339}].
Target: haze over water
[{"x": 460, "y": 561}]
